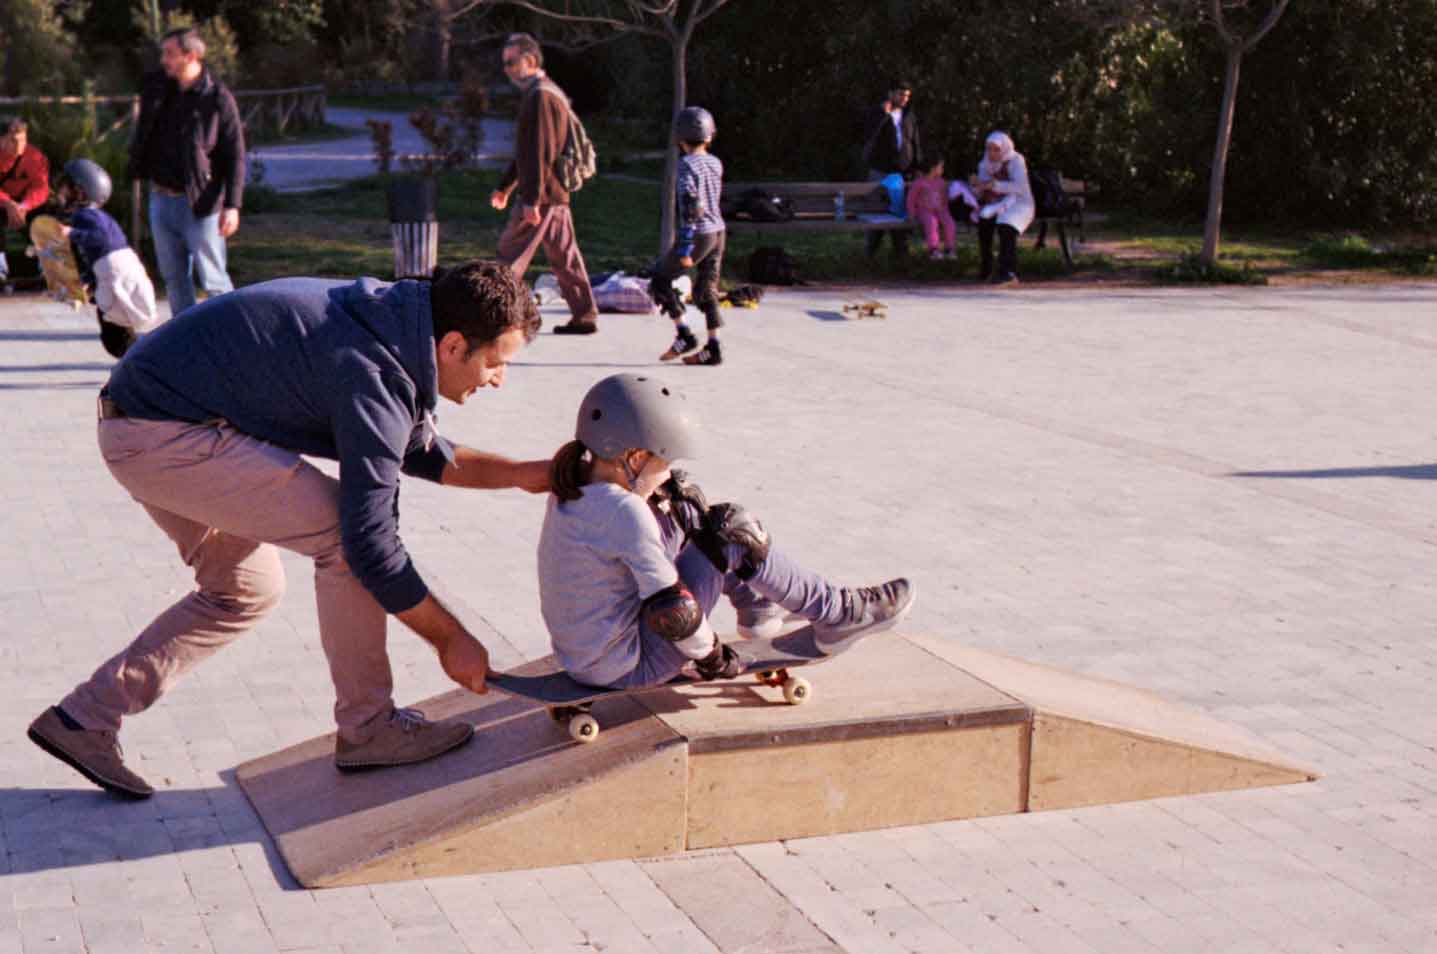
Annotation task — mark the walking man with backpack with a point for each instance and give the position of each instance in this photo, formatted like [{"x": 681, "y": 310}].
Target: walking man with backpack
[{"x": 541, "y": 213}]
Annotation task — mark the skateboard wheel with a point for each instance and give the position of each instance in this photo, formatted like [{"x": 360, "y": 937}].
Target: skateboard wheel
[
  {"x": 796, "y": 690},
  {"x": 583, "y": 728}
]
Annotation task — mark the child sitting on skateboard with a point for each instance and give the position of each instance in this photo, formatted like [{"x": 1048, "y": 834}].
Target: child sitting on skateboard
[
  {"x": 700, "y": 240},
  {"x": 632, "y": 560},
  {"x": 123, "y": 293}
]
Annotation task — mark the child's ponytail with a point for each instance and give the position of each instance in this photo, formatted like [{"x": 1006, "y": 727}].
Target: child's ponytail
[{"x": 569, "y": 471}]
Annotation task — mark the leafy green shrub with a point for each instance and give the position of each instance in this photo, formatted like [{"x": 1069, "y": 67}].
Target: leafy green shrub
[
  {"x": 1354, "y": 251},
  {"x": 1342, "y": 251},
  {"x": 1192, "y": 270}
]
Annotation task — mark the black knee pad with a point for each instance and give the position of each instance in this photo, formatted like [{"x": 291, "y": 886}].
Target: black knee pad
[
  {"x": 729, "y": 523},
  {"x": 116, "y": 339},
  {"x": 663, "y": 293}
]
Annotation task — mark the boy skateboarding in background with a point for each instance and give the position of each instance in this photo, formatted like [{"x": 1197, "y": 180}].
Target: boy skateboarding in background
[{"x": 700, "y": 240}]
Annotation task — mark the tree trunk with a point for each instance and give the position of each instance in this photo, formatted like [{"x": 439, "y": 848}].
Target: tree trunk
[
  {"x": 680, "y": 46},
  {"x": 443, "y": 39},
  {"x": 1213, "y": 226}
]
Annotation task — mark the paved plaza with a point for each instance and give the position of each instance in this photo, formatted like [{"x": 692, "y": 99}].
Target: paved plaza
[{"x": 1226, "y": 496}]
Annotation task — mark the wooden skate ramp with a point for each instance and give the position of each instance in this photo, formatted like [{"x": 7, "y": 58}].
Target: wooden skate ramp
[{"x": 899, "y": 731}]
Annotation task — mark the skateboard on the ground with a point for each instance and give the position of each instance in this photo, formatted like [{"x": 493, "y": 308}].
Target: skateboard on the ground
[
  {"x": 768, "y": 659},
  {"x": 52, "y": 247},
  {"x": 865, "y": 308}
]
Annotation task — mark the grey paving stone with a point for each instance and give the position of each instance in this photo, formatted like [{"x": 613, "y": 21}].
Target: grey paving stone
[{"x": 1221, "y": 495}]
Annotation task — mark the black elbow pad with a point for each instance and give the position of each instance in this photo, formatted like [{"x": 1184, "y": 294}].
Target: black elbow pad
[{"x": 673, "y": 613}]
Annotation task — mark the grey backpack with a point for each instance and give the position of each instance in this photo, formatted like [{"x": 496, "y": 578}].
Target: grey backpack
[{"x": 577, "y": 160}]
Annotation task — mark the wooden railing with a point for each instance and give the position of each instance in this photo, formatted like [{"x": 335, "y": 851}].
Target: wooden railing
[{"x": 260, "y": 110}]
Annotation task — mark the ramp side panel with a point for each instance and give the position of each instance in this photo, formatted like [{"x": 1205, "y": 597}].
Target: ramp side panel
[
  {"x": 1077, "y": 763},
  {"x": 636, "y": 811},
  {"x": 738, "y": 796},
  {"x": 1103, "y": 703}
]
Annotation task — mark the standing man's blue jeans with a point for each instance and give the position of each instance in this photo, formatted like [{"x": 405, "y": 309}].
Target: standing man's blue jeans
[{"x": 184, "y": 245}]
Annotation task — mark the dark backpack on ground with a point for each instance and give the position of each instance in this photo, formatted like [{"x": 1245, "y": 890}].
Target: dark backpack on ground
[
  {"x": 771, "y": 265},
  {"x": 1048, "y": 195},
  {"x": 756, "y": 205}
]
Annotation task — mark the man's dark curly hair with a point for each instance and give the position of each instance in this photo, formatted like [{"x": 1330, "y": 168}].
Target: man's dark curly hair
[{"x": 481, "y": 300}]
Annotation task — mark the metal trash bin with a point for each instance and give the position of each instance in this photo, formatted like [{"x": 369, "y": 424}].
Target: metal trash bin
[{"x": 414, "y": 225}]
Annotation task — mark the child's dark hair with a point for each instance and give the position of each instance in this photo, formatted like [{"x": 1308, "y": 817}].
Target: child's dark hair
[
  {"x": 481, "y": 299},
  {"x": 569, "y": 471},
  {"x": 931, "y": 163}
]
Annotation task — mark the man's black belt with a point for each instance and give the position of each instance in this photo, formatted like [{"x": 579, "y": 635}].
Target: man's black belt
[{"x": 108, "y": 409}]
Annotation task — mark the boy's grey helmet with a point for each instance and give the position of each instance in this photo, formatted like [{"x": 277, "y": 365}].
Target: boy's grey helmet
[
  {"x": 627, "y": 411},
  {"x": 90, "y": 176},
  {"x": 695, "y": 124}
]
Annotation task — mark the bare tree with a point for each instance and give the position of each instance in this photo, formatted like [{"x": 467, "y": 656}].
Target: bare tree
[
  {"x": 1235, "y": 45},
  {"x": 672, "y": 21}
]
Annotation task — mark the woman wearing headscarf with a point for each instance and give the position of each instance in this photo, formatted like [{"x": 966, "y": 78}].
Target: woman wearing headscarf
[{"x": 1007, "y": 206}]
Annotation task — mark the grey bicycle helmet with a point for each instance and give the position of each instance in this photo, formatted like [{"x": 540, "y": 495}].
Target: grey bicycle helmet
[
  {"x": 627, "y": 411},
  {"x": 91, "y": 177},
  {"x": 694, "y": 124}
]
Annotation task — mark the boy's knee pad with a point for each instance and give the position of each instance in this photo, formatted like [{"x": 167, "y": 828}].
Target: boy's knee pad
[
  {"x": 663, "y": 293},
  {"x": 729, "y": 523},
  {"x": 116, "y": 339},
  {"x": 673, "y": 613}
]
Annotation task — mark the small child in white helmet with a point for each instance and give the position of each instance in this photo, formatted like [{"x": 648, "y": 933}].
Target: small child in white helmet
[
  {"x": 632, "y": 559},
  {"x": 124, "y": 295}
]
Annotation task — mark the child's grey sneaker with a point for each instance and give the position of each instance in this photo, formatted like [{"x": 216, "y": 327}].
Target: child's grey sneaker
[
  {"x": 404, "y": 738},
  {"x": 94, "y": 753},
  {"x": 868, "y": 609},
  {"x": 761, "y": 621}
]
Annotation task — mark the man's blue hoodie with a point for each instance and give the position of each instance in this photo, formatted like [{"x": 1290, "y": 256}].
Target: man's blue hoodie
[{"x": 343, "y": 370}]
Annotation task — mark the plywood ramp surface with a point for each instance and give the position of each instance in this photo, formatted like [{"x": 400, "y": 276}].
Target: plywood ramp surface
[{"x": 519, "y": 795}]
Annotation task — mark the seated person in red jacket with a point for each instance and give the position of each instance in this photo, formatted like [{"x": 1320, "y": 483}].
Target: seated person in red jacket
[{"x": 24, "y": 181}]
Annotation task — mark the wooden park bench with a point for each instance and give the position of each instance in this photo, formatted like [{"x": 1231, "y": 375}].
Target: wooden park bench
[
  {"x": 865, "y": 206},
  {"x": 1077, "y": 192}
]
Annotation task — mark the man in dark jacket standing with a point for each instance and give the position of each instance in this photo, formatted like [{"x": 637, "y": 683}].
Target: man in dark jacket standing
[
  {"x": 891, "y": 145},
  {"x": 541, "y": 214},
  {"x": 205, "y": 422},
  {"x": 189, "y": 144}
]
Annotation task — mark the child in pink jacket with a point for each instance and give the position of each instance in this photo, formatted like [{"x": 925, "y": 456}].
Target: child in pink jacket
[{"x": 928, "y": 205}]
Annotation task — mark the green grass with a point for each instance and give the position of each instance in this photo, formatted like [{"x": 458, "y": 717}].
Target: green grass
[
  {"x": 1355, "y": 252},
  {"x": 1190, "y": 269}
]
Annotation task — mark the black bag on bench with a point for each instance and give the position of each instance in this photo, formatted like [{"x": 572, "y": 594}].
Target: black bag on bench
[{"x": 756, "y": 205}]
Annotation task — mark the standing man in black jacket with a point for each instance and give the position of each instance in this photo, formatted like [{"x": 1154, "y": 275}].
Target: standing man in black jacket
[
  {"x": 891, "y": 145},
  {"x": 189, "y": 144}
]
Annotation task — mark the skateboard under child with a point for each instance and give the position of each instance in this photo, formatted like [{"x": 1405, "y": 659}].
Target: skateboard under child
[
  {"x": 768, "y": 659},
  {"x": 57, "y": 263}
]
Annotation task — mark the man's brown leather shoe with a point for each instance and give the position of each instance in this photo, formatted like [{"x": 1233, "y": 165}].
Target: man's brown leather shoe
[
  {"x": 95, "y": 754},
  {"x": 403, "y": 738}
]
